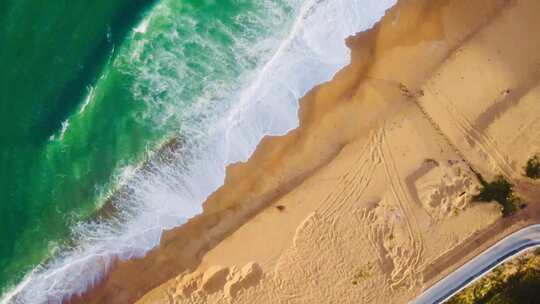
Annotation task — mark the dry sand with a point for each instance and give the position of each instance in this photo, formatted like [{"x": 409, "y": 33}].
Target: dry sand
[{"x": 369, "y": 199}]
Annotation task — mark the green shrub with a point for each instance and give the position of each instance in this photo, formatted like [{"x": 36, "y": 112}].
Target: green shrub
[
  {"x": 532, "y": 169},
  {"x": 522, "y": 287},
  {"x": 501, "y": 191}
]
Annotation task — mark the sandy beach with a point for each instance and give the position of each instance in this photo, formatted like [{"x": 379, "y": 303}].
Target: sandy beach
[{"x": 369, "y": 200}]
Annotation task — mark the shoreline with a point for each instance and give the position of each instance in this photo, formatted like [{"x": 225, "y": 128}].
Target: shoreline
[
  {"x": 390, "y": 74},
  {"x": 191, "y": 232},
  {"x": 81, "y": 268}
]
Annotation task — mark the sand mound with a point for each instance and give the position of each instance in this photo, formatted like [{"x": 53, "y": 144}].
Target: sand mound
[
  {"x": 214, "y": 279},
  {"x": 248, "y": 277},
  {"x": 226, "y": 282},
  {"x": 446, "y": 188}
]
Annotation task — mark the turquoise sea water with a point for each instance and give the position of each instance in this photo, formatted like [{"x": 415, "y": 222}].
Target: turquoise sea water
[
  {"x": 90, "y": 91},
  {"x": 50, "y": 52}
]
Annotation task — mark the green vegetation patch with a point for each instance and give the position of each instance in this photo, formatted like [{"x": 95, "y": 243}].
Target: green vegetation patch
[
  {"x": 501, "y": 191},
  {"x": 515, "y": 282},
  {"x": 532, "y": 169}
]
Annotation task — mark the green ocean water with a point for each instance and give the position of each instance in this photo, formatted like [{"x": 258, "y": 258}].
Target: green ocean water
[
  {"x": 50, "y": 52},
  {"x": 84, "y": 95}
]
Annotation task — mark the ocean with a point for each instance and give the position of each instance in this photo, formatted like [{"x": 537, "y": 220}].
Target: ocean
[{"x": 119, "y": 118}]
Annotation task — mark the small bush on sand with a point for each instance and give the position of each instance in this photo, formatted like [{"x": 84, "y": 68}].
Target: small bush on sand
[
  {"x": 501, "y": 191},
  {"x": 532, "y": 169}
]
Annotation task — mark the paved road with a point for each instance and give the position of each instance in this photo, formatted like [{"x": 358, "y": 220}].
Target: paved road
[{"x": 505, "y": 249}]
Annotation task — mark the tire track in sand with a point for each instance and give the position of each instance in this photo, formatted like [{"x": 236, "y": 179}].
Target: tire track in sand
[
  {"x": 405, "y": 203},
  {"x": 352, "y": 184},
  {"x": 474, "y": 137}
]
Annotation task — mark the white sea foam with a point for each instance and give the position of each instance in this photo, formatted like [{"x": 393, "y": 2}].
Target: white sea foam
[
  {"x": 167, "y": 193},
  {"x": 143, "y": 26},
  {"x": 88, "y": 99},
  {"x": 62, "y": 132},
  {"x": 65, "y": 126}
]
